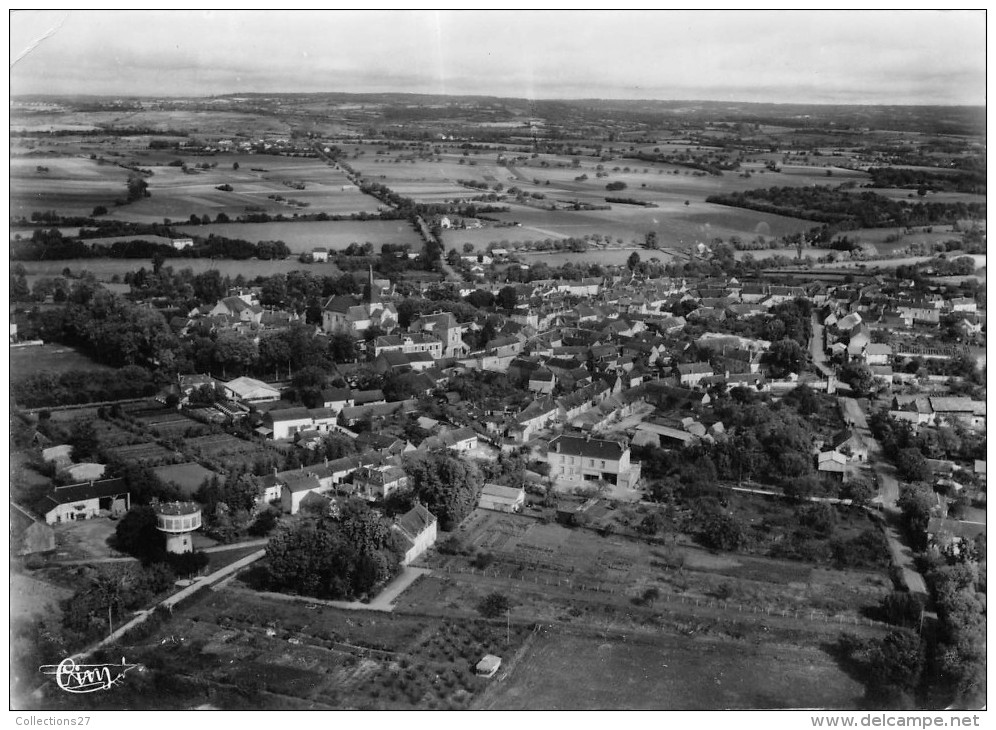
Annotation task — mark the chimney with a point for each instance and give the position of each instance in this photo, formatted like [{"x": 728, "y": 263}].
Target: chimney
[{"x": 558, "y": 447}]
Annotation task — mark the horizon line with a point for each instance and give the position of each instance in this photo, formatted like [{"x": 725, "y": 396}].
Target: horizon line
[{"x": 493, "y": 96}]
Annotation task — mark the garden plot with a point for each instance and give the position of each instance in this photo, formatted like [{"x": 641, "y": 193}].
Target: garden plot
[{"x": 144, "y": 453}]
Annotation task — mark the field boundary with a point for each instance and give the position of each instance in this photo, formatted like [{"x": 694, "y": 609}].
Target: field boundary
[{"x": 677, "y": 599}]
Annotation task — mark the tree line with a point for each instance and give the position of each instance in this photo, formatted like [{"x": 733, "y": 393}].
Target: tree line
[{"x": 845, "y": 209}]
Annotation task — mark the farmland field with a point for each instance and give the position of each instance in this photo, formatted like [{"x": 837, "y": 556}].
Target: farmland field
[
  {"x": 50, "y": 358},
  {"x": 298, "y": 655},
  {"x": 149, "y": 452},
  {"x": 526, "y": 553},
  {"x": 71, "y": 185},
  {"x": 276, "y": 185},
  {"x": 564, "y": 671},
  {"x": 675, "y": 224},
  {"x": 106, "y": 269},
  {"x": 303, "y": 236},
  {"x": 605, "y": 257}
]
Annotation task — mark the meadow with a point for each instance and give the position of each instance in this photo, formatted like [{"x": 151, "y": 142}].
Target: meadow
[
  {"x": 69, "y": 185},
  {"x": 303, "y": 236},
  {"x": 676, "y": 225},
  {"x": 107, "y": 269},
  {"x": 262, "y": 183},
  {"x": 567, "y": 671},
  {"x": 50, "y": 358}
]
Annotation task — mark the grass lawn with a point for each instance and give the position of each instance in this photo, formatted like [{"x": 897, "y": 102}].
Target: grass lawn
[
  {"x": 188, "y": 477},
  {"x": 105, "y": 269},
  {"x": 564, "y": 671},
  {"x": 51, "y": 358},
  {"x": 71, "y": 185},
  {"x": 303, "y": 236}
]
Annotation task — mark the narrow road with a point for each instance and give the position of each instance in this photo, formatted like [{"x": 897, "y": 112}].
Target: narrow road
[
  {"x": 888, "y": 496},
  {"x": 171, "y": 600},
  {"x": 816, "y": 348}
]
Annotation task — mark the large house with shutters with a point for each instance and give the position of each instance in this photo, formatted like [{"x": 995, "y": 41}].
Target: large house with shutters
[{"x": 581, "y": 459}]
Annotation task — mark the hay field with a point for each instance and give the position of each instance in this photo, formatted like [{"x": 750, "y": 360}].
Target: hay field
[
  {"x": 71, "y": 186},
  {"x": 268, "y": 188},
  {"x": 303, "y": 236}
]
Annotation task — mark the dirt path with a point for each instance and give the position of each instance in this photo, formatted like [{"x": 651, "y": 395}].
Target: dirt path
[{"x": 888, "y": 496}]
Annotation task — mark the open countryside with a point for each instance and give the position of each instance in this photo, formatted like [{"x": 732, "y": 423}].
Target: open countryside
[{"x": 392, "y": 400}]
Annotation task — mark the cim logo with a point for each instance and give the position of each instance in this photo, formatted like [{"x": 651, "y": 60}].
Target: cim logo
[{"x": 84, "y": 678}]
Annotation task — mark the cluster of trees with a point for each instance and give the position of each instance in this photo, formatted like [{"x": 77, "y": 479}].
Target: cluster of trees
[
  {"x": 789, "y": 320},
  {"x": 848, "y": 209},
  {"x": 959, "y": 589},
  {"x": 959, "y": 181},
  {"x": 44, "y": 246},
  {"x": 45, "y": 389},
  {"x": 765, "y": 442},
  {"x": 891, "y": 668},
  {"x": 933, "y": 442},
  {"x": 341, "y": 557},
  {"x": 909, "y": 449},
  {"x": 490, "y": 390},
  {"x": 110, "y": 329},
  {"x": 939, "y": 266},
  {"x": 448, "y": 486}
]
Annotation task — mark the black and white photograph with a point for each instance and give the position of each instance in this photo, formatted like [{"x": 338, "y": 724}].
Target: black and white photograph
[{"x": 498, "y": 360}]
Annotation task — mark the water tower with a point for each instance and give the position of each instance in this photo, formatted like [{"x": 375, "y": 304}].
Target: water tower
[{"x": 178, "y": 520}]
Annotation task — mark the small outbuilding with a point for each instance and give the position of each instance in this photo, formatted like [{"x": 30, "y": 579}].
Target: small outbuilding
[
  {"x": 502, "y": 499},
  {"x": 488, "y": 666}
]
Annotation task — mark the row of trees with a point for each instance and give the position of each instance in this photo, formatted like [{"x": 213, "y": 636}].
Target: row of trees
[{"x": 841, "y": 207}]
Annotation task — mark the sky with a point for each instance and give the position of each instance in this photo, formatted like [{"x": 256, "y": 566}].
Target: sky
[{"x": 834, "y": 57}]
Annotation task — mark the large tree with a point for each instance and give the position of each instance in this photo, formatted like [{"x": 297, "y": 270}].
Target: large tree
[
  {"x": 448, "y": 485},
  {"x": 328, "y": 557},
  {"x": 784, "y": 357}
]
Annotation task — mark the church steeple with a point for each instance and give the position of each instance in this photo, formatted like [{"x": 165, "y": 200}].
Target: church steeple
[{"x": 371, "y": 294}]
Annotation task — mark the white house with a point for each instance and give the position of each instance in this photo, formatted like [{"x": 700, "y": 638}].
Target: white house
[
  {"x": 378, "y": 482},
  {"x": 84, "y": 501},
  {"x": 296, "y": 487},
  {"x": 286, "y": 422},
  {"x": 250, "y": 390},
  {"x": 417, "y": 528},
  {"x": 583, "y": 459},
  {"x": 502, "y": 499},
  {"x": 689, "y": 374}
]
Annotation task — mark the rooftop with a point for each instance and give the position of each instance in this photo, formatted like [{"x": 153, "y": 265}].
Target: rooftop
[{"x": 177, "y": 508}]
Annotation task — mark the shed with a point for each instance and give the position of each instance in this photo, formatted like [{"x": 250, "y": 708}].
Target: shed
[
  {"x": 501, "y": 498},
  {"x": 488, "y": 666}
]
